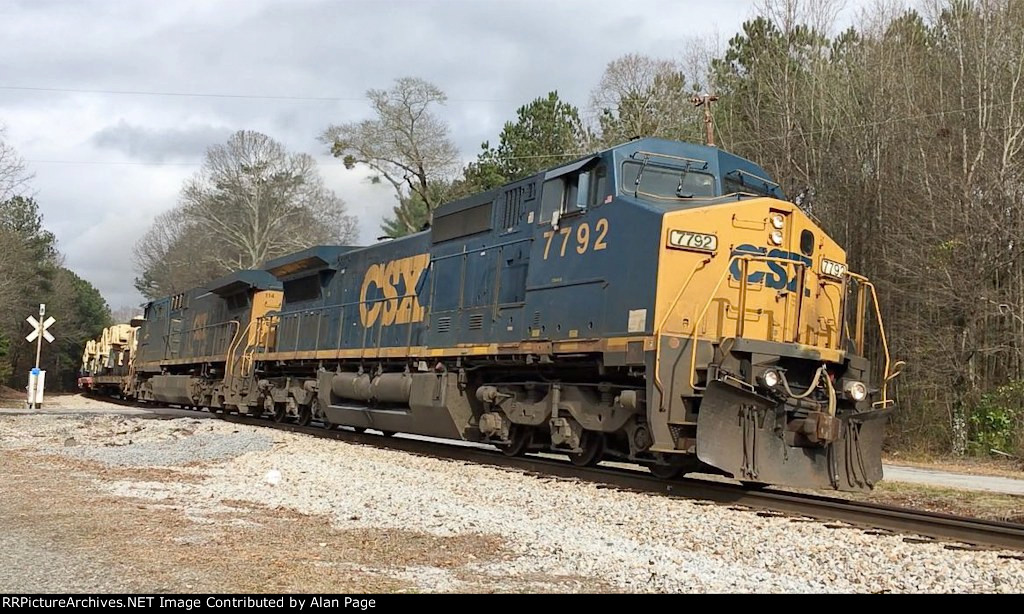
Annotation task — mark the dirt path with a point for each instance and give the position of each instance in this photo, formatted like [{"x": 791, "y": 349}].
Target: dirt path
[
  {"x": 947, "y": 479},
  {"x": 61, "y": 535}
]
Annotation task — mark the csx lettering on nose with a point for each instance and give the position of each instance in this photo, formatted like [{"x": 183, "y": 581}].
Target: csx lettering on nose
[
  {"x": 777, "y": 275},
  {"x": 389, "y": 292}
]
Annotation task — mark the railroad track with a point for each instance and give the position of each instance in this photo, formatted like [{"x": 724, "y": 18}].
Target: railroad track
[{"x": 963, "y": 532}]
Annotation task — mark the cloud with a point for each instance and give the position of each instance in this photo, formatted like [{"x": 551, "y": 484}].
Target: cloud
[
  {"x": 159, "y": 145},
  {"x": 106, "y": 164}
]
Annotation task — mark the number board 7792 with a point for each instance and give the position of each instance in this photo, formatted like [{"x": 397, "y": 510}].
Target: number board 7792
[{"x": 695, "y": 241}]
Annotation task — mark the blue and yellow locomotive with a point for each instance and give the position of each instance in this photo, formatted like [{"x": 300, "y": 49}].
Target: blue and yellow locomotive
[{"x": 658, "y": 302}]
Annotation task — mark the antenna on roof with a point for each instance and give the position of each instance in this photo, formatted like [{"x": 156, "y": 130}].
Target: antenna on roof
[{"x": 709, "y": 122}]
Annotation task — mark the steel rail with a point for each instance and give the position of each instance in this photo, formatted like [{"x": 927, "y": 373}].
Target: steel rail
[{"x": 938, "y": 526}]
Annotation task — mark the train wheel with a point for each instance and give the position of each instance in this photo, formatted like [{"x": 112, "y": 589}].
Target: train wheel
[
  {"x": 593, "y": 449},
  {"x": 318, "y": 414},
  {"x": 388, "y": 433},
  {"x": 520, "y": 438},
  {"x": 305, "y": 415},
  {"x": 280, "y": 412},
  {"x": 359, "y": 429}
]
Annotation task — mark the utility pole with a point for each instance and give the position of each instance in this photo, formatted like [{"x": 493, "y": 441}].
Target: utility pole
[{"x": 709, "y": 121}]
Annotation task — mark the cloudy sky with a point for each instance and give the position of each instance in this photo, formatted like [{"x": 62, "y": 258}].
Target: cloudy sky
[{"x": 106, "y": 163}]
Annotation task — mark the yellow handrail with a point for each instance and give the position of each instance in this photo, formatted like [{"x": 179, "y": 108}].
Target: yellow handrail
[
  {"x": 746, "y": 258},
  {"x": 881, "y": 332},
  {"x": 664, "y": 318},
  {"x": 239, "y": 333},
  {"x": 743, "y": 291}
]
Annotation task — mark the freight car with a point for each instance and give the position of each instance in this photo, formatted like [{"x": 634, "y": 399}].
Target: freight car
[
  {"x": 107, "y": 360},
  {"x": 657, "y": 302}
]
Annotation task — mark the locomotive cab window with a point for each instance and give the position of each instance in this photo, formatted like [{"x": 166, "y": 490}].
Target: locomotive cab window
[
  {"x": 737, "y": 181},
  {"x": 654, "y": 181},
  {"x": 238, "y": 300},
  {"x": 573, "y": 193}
]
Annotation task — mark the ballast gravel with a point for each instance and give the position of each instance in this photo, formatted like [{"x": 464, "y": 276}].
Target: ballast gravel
[
  {"x": 198, "y": 447},
  {"x": 551, "y": 528}
]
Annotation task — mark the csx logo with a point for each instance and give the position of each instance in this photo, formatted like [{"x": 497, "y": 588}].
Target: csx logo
[
  {"x": 389, "y": 292},
  {"x": 777, "y": 276}
]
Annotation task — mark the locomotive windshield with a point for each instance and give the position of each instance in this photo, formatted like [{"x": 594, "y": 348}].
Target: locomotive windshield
[
  {"x": 738, "y": 181},
  {"x": 660, "y": 182}
]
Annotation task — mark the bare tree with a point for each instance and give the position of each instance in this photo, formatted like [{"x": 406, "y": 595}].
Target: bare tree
[
  {"x": 643, "y": 96},
  {"x": 251, "y": 201},
  {"x": 176, "y": 254},
  {"x": 260, "y": 201},
  {"x": 13, "y": 174},
  {"x": 406, "y": 144},
  {"x": 819, "y": 15}
]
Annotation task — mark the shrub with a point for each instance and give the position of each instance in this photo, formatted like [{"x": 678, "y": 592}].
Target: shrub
[{"x": 996, "y": 421}]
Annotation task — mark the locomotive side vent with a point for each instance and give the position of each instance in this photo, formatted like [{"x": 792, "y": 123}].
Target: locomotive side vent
[
  {"x": 513, "y": 208},
  {"x": 476, "y": 321},
  {"x": 536, "y": 319},
  {"x": 444, "y": 324}
]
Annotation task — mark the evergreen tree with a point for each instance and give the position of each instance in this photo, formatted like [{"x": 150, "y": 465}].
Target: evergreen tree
[{"x": 547, "y": 132}]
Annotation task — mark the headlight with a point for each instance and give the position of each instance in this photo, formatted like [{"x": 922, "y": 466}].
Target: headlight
[
  {"x": 856, "y": 390},
  {"x": 770, "y": 378},
  {"x": 777, "y": 221},
  {"x": 776, "y": 237}
]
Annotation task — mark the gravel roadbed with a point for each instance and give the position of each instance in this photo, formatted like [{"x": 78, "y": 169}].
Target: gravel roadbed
[{"x": 548, "y": 528}]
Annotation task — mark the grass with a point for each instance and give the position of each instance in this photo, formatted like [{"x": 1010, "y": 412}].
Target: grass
[{"x": 976, "y": 504}]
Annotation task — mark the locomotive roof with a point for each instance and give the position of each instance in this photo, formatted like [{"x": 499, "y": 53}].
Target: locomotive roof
[
  {"x": 243, "y": 280},
  {"x": 310, "y": 259},
  {"x": 718, "y": 162}
]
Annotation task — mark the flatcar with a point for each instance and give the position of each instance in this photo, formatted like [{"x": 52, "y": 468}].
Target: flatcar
[
  {"x": 107, "y": 360},
  {"x": 658, "y": 302}
]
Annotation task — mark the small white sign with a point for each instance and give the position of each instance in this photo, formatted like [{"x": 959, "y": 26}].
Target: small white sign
[
  {"x": 637, "y": 321},
  {"x": 36, "y": 384}
]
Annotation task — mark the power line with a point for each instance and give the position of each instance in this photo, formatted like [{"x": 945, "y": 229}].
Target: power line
[
  {"x": 68, "y": 90},
  {"x": 319, "y": 162}
]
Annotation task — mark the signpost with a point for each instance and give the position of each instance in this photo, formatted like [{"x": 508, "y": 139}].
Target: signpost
[{"x": 37, "y": 377}]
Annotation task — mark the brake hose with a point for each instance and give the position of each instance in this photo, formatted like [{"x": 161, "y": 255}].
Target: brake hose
[{"x": 811, "y": 388}]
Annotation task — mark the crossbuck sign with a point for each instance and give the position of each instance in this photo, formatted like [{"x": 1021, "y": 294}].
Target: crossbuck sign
[
  {"x": 37, "y": 376},
  {"x": 40, "y": 327}
]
